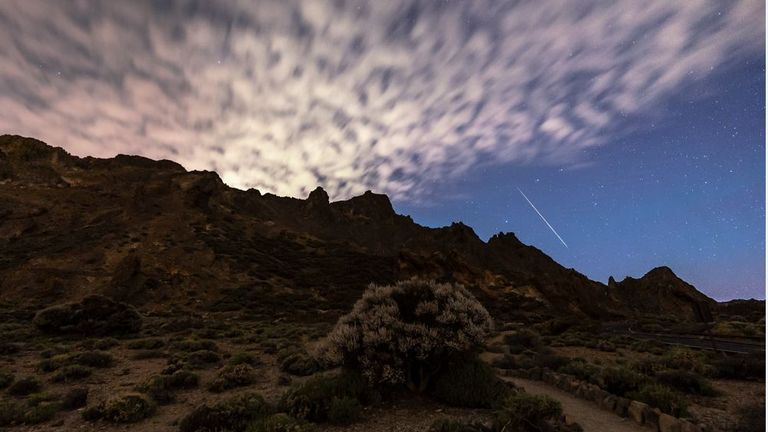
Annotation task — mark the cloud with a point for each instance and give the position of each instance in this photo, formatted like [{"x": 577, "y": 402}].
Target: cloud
[{"x": 354, "y": 95}]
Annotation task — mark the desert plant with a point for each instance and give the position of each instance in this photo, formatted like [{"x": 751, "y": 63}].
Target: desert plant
[
  {"x": 620, "y": 380},
  {"x": 311, "y": 400},
  {"x": 103, "y": 344},
  {"x": 298, "y": 362},
  {"x": 74, "y": 398},
  {"x": 25, "y": 386},
  {"x": 661, "y": 397},
  {"x": 470, "y": 383},
  {"x": 449, "y": 425},
  {"x": 128, "y": 408},
  {"x": 161, "y": 387},
  {"x": 94, "y": 315},
  {"x": 688, "y": 360},
  {"x": 281, "y": 422},
  {"x": 190, "y": 345},
  {"x": 234, "y": 415},
  {"x": 230, "y": 377},
  {"x": 145, "y": 344},
  {"x": 686, "y": 382},
  {"x": 6, "y": 378},
  {"x": 402, "y": 334},
  {"x": 525, "y": 412},
  {"x": 244, "y": 358},
  {"x": 71, "y": 373}
]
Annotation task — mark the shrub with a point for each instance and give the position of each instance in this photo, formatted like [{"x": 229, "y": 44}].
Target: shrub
[
  {"x": 525, "y": 412},
  {"x": 6, "y": 378},
  {"x": 581, "y": 370},
  {"x": 299, "y": 363},
  {"x": 402, "y": 334},
  {"x": 193, "y": 360},
  {"x": 470, "y": 383},
  {"x": 71, "y": 373},
  {"x": 523, "y": 337},
  {"x": 97, "y": 359},
  {"x": 74, "y": 398},
  {"x": 620, "y": 380},
  {"x": 41, "y": 412},
  {"x": 740, "y": 367},
  {"x": 146, "y": 344},
  {"x": 95, "y": 315},
  {"x": 281, "y": 422},
  {"x": 25, "y": 386},
  {"x": 161, "y": 387},
  {"x": 751, "y": 417},
  {"x": 448, "y": 425},
  {"x": 686, "y": 382},
  {"x": 661, "y": 397},
  {"x": 688, "y": 360},
  {"x": 129, "y": 408},
  {"x": 230, "y": 377},
  {"x": 311, "y": 400},
  {"x": 105, "y": 344},
  {"x": 244, "y": 358},
  {"x": 11, "y": 412},
  {"x": 344, "y": 410},
  {"x": 233, "y": 415},
  {"x": 190, "y": 345}
]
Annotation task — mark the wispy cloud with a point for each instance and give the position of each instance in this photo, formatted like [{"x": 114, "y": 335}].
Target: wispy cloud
[{"x": 354, "y": 95}]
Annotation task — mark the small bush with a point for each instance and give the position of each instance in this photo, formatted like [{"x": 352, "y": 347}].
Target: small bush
[
  {"x": 195, "y": 360},
  {"x": 36, "y": 399},
  {"x": 161, "y": 387},
  {"x": 105, "y": 344},
  {"x": 686, "y": 382},
  {"x": 402, "y": 334},
  {"x": 448, "y": 425},
  {"x": 311, "y": 399},
  {"x": 523, "y": 337},
  {"x": 95, "y": 315},
  {"x": 299, "y": 363},
  {"x": 98, "y": 359},
  {"x": 74, "y": 398},
  {"x": 145, "y": 344},
  {"x": 71, "y": 373},
  {"x": 525, "y": 412},
  {"x": 230, "y": 377},
  {"x": 190, "y": 345},
  {"x": 621, "y": 380},
  {"x": 344, "y": 410},
  {"x": 661, "y": 397},
  {"x": 739, "y": 367},
  {"x": 232, "y": 415},
  {"x": 129, "y": 408},
  {"x": 6, "y": 378},
  {"x": 41, "y": 413},
  {"x": 11, "y": 412},
  {"x": 751, "y": 417},
  {"x": 25, "y": 386},
  {"x": 470, "y": 383},
  {"x": 244, "y": 358},
  {"x": 581, "y": 370},
  {"x": 687, "y": 360},
  {"x": 281, "y": 422}
]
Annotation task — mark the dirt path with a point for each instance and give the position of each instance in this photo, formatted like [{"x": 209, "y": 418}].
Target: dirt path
[{"x": 585, "y": 413}]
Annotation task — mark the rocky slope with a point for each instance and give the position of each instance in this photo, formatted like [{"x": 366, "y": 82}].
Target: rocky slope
[{"x": 153, "y": 234}]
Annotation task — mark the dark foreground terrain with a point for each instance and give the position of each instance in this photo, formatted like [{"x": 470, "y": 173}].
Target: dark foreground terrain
[{"x": 211, "y": 298}]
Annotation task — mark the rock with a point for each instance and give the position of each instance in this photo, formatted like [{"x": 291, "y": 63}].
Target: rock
[
  {"x": 651, "y": 416},
  {"x": 668, "y": 423},
  {"x": 686, "y": 426},
  {"x": 609, "y": 402},
  {"x": 95, "y": 315},
  {"x": 635, "y": 411},
  {"x": 622, "y": 406}
]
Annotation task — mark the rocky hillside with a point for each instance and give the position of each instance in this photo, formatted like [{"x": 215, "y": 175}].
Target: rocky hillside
[{"x": 153, "y": 234}]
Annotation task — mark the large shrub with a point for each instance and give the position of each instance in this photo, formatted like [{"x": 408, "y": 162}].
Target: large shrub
[
  {"x": 327, "y": 398},
  {"x": 403, "y": 334}
]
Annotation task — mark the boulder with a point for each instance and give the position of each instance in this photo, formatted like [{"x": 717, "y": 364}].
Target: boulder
[
  {"x": 651, "y": 417},
  {"x": 95, "y": 315},
  {"x": 622, "y": 406},
  {"x": 636, "y": 410},
  {"x": 609, "y": 402},
  {"x": 668, "y": 423}
]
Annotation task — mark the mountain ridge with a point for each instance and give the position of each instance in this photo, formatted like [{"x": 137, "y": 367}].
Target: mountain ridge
[{"x": 153, "y": 233}]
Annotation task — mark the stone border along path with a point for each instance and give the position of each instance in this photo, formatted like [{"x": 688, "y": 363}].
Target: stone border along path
[{"x": 583, "y": 412}]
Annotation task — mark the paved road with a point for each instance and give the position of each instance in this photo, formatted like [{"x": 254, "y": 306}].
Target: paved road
[{"x": 585, "y": 413}]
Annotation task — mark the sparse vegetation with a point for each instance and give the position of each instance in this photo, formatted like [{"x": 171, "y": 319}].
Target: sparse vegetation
[
  {"x": 161, "y": 387},
  {"x": 129, "y": 408},
  {"x": 71, "y": 373},
  {"x": 661, "y": 397},
  {"x": 686, "y": 382},
  {"x": 525, "y": 412},
  {"x": 233, "y": 376}
]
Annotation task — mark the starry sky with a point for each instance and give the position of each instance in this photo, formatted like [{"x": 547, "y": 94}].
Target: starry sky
[{"x": 636, "y": 128}]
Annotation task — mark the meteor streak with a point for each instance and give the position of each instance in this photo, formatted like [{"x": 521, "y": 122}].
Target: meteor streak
[{"x": 542, "y": 217}]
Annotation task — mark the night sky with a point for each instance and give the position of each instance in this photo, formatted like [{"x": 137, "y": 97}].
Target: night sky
[{"x": 636, "y": 128}]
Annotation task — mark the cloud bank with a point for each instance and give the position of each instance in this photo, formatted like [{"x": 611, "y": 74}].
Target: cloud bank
[{"x": 353, "y": 95}]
